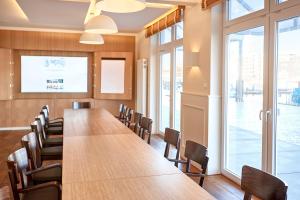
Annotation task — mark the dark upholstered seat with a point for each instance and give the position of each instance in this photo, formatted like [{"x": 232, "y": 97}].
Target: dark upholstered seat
[
  {"x": 19, "y": 172},
  {"x": 53, "y": 173},
  {"x": 37, "y": 127},
  {"x": 48, "y": 192},
  {"x": 51, "y": 151},
  {"x": 49, "y": 130},
  {"x": 37, "y": 152}
]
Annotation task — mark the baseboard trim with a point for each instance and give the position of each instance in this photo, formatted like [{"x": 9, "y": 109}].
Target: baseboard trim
[{"x": 15, "y": 128}]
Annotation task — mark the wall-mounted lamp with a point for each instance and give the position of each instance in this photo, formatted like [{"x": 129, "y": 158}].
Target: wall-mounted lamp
[{"x": 193, "y": 59}]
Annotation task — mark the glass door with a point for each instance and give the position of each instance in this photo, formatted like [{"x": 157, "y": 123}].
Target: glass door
[
  {"x": 165, "y": 91},
  {"x": 287, "y": 104},
  {"x": 244, "y": 100}
]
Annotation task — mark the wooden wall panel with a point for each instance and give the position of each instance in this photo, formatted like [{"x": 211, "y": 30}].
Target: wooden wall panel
[
  {"x": 5, "y": 114},
  {"x": 5, "y": 74},
  {"x": 22, "y": 109},
  {"x": 113, "y": 105},
  {"x": 23, "y": 112},
  {"x": 5, "y": 39}
]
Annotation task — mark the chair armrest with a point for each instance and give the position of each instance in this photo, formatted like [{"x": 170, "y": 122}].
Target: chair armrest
[
  {"x": 59, "y": 119},
  {"x": 42, "y": 186},
  {"x": 28, "y": 173},
  {"x": 177, "y": 161},
  {"x": 195, "y": 174}
]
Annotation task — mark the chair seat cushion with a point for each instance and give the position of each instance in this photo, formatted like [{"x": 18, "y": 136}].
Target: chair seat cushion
[
  {"x": 51, "y": 151},
  {"x": 50, "y": 174},
  {"x": 55, "y": 130},
  {"x": 57, "y": 141},
  {"x": 49, "y": 193}
]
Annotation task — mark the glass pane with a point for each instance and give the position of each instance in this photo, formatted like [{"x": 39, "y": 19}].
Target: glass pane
[
  {"x": 238, "y": 8},
  {"x": 179, "y": 30},
  {"x": 288, "y": 105},
  {"x": 178, "y": 86},
  {"x": 165, "y": 64},
  {"x": 245, "y": 99},
  {"x": 166, "y": 35},
  {"x": 281, "y": 1}
]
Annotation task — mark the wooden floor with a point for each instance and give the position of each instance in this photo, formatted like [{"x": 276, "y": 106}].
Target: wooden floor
[{"x": 218, "y": 185}]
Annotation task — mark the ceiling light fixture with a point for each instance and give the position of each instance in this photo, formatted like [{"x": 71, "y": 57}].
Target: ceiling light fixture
[
  {"x": 121, "y": 6},
  {"x": 91, "y": 38},
  {"x": 101, "y": 24}
]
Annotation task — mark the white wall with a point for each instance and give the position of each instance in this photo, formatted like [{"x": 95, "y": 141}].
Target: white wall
[{"x": 201, "y": 97}]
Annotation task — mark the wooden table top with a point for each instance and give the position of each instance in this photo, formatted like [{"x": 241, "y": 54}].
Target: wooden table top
[
  {"x": 164, "y": 187},
  {"x": 114, "y": 163},
  {"x": 85, "y": 122}
]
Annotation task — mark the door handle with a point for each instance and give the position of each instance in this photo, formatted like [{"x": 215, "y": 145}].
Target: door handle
[
  {"x": 268, "y": 114},
  {"x": 260, "y": 114}
]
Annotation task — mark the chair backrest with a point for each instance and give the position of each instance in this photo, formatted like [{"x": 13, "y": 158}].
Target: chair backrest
[
  {"x": 196, "y": 152},
  {"x": 137, "y": 121},
  {"x": 46, "y": 115},
  {"x": 128, "y": 114},
  {"x": 18, "y": 165},
  {"x": 146, "y": 124},
  {"x": 262, "y": 185},
  {"x": 29, "y": 141},
  {"x": 81, "y": 105},
  {"x": 171, "y": 137},
  {"x": 37, "y": 127},
  {"x": 137, "y": 118}
]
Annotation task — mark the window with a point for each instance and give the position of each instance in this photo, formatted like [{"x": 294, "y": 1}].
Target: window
[
  {"x": 262, "y": 90},
  {"x": 244, "y": 99},
  {"x": 239, "y": 8},
  {"x": 166, "y": 35},
  {"x": 171, "y": 76},
  {"x": 179, "y": 31}
]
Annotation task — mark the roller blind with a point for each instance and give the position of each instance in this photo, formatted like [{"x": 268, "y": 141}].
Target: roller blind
[{"x": 165, "y": 22}]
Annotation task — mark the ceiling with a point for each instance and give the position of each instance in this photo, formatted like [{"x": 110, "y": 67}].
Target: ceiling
[{"x": 70, "y": 14}]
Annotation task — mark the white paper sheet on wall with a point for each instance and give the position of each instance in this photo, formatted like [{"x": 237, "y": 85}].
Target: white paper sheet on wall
[{"x": 112, "y": 76}]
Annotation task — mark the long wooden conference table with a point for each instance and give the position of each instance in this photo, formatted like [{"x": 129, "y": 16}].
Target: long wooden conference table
[{"x": 103, "y": 159}]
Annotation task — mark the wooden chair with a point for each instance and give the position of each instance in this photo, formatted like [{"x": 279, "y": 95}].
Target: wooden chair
[
  {"x": 56, "y": 130},
  {"x": 127, "y": 117},
  {"x": 122, "y": 110},
  {"x": 47, "y": 141},
  {"x": 146, "y": 128},
  {"x": 42, "y": 152},
  {"x": 18, "y": 171},
  {"x": 197, "y": 153},
  {"x": 172, "y": 137},
  {"x": 135, "y": 125},
  {"x": 52, "y": 122},
  {"x": 262, "y": 185},
  {"x": 81, "y": 105}
]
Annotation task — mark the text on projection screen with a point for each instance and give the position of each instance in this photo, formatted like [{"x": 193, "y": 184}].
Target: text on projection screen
[
  {"x": 54, "y": 74},
  {"x": 112, "y": 76}
]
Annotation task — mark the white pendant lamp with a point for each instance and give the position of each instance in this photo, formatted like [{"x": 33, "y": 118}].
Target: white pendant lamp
[
  {"x": 121, "y": 6},
  {"x": 91, "y": 38},
  {"x": 101, "y": 24}
]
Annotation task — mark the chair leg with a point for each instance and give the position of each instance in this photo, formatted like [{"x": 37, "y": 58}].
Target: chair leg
[
  {"x": 149, "y": 138},
  {"x": 167, "y": 150},
  {"x": 177, "y": 158}
]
